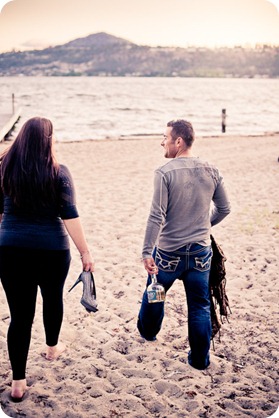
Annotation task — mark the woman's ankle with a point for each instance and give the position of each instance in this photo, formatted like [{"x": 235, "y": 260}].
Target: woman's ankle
[
  {"x": 53, "y": 352},
  {"x": 19, "y": 387}
]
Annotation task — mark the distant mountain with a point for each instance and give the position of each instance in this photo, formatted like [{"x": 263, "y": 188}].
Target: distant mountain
[
  {"x": 100, "y": 39},
  {"x": 102, "y": 54}
]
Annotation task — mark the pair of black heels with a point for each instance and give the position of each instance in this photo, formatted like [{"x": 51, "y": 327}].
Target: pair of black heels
[{"x": 88, "y": 299}]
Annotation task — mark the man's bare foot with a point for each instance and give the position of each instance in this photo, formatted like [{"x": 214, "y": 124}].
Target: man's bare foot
[
  {"x": 19, "y": 388},
  {"x": 52, "y": 353}
]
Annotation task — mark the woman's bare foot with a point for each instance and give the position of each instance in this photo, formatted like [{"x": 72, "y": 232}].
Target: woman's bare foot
[
  {"x": 19, "y": 387},
  {"x": 52, "y": 353}
]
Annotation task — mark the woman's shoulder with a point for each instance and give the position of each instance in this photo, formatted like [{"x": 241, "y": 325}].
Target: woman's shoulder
[
  {"x": 64, "y": 173},
  {"x": 63, "y": 170}
]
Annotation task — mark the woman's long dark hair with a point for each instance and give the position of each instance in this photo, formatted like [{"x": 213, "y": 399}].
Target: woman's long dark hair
[{"x": 28, "y": 168}]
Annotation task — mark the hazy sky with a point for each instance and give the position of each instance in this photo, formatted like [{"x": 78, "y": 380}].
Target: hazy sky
[{"x": 26, "y": 24}]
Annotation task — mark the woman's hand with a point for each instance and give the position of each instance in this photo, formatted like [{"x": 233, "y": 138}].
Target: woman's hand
[{"x": 87, "y": 261}]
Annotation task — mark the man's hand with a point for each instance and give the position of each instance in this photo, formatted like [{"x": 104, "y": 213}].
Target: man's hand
[{"x": 150, "y": 266}]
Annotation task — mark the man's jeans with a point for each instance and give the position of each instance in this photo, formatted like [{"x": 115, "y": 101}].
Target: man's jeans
[{"x": 191, "y": 264}]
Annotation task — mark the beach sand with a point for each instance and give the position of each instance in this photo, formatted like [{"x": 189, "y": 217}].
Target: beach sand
[{"x": 108, "y": 370}]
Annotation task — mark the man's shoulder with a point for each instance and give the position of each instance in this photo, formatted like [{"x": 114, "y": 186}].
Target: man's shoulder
[
  {"x": 171, "y": 164},
  {"x": 165, "y": 166},
  {"x": 194, "y": 163},
  {"x": 178, "y": 163}
]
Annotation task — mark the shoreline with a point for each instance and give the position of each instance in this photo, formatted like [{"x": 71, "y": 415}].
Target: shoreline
[{"x": 158, "y": 136}]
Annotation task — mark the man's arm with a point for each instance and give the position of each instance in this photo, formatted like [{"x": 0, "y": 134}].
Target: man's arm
[
  {"x": 222, "y": 206},
  {"x": 155, "y": 220}
]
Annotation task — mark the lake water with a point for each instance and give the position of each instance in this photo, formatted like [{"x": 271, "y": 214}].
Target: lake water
[{"x": 83, "y": 108}]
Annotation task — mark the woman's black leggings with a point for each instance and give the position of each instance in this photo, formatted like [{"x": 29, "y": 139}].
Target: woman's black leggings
[{"x": 22, "y": 270}]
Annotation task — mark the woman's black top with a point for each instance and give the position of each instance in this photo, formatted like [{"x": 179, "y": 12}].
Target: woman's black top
[{"x": 44, "y": 229}]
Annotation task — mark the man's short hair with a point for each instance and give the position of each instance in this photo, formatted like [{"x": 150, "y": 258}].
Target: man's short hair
[{"x": 184, "y": 129}]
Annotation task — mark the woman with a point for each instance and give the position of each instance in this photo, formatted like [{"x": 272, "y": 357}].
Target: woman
[{"x": 37, "y": 207}]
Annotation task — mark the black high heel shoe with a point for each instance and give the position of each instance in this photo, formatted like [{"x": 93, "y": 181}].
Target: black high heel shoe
[{"x": 88, "y": 299}]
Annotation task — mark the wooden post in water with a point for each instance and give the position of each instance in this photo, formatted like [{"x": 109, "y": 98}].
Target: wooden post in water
[{"x": 224, "y": 120}]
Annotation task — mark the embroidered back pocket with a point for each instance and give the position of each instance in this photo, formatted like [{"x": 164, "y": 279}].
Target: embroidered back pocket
[
  {"x": 203, "y": 263},
  {"x": 166, "y": 262}
]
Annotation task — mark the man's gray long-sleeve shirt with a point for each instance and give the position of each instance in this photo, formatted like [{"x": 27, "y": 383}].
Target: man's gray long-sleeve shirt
[{"x": 189, "y": 197}]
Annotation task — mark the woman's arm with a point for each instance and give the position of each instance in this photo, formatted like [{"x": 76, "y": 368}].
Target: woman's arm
[{"x": 76, "y": 232}]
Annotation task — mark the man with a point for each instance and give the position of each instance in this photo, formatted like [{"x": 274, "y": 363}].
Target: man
[{"x": 189, "y": 197}]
